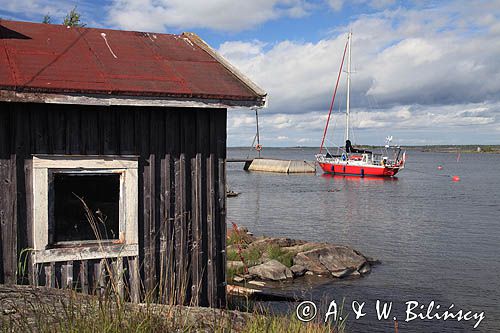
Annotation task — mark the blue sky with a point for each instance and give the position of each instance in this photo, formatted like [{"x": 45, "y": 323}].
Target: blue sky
[{"x": 427, "y": 72}]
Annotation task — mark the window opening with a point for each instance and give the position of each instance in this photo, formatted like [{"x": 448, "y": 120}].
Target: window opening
[{"x": 101, "y": 194}]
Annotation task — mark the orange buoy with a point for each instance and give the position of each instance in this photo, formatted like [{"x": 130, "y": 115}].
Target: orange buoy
[
  {"x": 455, "y": 178},
  {"x": 440, "y": 167}
]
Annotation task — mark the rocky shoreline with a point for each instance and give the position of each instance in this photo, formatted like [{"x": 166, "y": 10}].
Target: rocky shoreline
[{"x": 258, "y": 260}]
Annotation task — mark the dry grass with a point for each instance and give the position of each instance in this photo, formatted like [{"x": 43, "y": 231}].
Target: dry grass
[{"x": 31, "y": 309}]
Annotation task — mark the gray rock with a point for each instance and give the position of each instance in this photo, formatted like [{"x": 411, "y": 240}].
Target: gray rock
[
  {"x": 343, "y": 273},
  {"x": 238, "y": 279},
  {"x": 271, "y": 270},
  {"x": 339, "y": 261},
  {"x": 257, "y": 283},
  {"x": 234, "y": 264},
  {"x": 298, "y": 270},
  {"x": 310, "y": 261},
  {"x": 355, "y": 274},
  {"x": 365, "y": 269}
]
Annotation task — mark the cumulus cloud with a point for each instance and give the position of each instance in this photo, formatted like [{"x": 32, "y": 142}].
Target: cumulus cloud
[
  {"x": 336, "y": 4},
  {"x": 223, "y": 15},
  {"x": 414, "y": 68},
  {"x": 410, "y": 124},
  {"x": 35, "y": 8}
]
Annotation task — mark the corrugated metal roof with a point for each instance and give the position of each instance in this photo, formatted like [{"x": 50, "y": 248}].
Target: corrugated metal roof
[{"x": 55, "y": 59}]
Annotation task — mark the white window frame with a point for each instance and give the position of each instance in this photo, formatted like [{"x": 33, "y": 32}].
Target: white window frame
[{"x": 44, "y": 166}]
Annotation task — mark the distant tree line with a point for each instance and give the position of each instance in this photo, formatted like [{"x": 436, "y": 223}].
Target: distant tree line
[{"x": 72, "y": 19}]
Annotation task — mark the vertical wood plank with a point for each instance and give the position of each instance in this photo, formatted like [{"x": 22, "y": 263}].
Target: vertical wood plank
[
  {"x": 57, "y": 129},
  {"x": 157, "y": 148},
  {"x": 100, "y": 277},
  {"x": 40, "y": 131},
  {"x": 166, "y": 230},
  {"x": 84, "y": 276},
  {"x": 149, "y": 224},
  {"x": 37, "y": 274},
  {"x": 135, "y": 279},
  {"x": 73, "y": 130},
  {"x": 67, "y": 275},
  {"x": 8, "y": 219},
  {"x": 221, "y": 234},
  {"x": 6, "y": 136},
  {"x": 181, "y": 231},
  {"x": 109, "y": 132},
  {"x": 126, "y": 132},
  {"x": 118, "y": 276},
  {"x": 210, "y": 235},
  {"x": 50, "y": 275},
  {"x": 196, "y": 206},
  {"x": 28, "y": 172},
  {"x": 90, "y": 134}
]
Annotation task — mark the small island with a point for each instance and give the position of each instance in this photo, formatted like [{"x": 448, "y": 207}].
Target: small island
[{"x": 262, "y": 260}]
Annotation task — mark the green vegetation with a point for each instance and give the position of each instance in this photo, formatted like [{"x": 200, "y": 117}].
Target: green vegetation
[
  {"x": 47, "y": 19},
  {"x": 277, "y": 253},
  {"x": 231, "y": 272},
  {"x": 73, "y": 19},
  {"x": 232, "y": 255},
  {"x": 286, "y": 325},
  {"x": 252, "y": 255}
]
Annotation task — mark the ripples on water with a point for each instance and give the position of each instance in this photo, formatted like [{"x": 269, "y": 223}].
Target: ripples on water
[{"x": 437, "y": 239}]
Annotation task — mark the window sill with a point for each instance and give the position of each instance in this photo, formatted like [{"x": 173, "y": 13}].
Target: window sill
[
  {"x": 82, "y": 243},
  {"x": 86, "y": 252}
]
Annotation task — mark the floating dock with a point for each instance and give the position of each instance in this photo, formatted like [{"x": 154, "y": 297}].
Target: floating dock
[{"x": 277, "y": 165}]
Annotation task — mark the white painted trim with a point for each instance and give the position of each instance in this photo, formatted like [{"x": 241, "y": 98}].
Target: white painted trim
[
  {"x": 83, "y": 162},
  {"x": 126, "y": 166},
  {"x": 106, "y": 100}
]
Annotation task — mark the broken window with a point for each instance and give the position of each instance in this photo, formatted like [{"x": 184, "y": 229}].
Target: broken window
[{"x": 86, "y": 206}]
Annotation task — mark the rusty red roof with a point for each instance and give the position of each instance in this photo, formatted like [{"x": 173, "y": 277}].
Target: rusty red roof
[{"x": 55, "y": 59}]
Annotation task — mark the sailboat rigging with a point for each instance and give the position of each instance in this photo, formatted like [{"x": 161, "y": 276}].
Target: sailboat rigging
[{"x": 352, "y": 161}]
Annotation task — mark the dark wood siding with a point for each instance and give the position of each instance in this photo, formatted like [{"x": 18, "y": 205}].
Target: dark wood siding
[{"x": 181, "y": 193}]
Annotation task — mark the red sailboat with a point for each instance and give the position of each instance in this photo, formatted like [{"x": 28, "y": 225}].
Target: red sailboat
[{"x": 349, "y": 160}]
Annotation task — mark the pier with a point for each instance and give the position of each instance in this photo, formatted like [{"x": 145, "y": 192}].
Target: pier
[{"x": 275, "y": 165}]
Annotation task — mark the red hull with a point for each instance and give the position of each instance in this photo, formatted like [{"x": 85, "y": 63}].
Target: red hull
[{"x": 359, "y": 170}]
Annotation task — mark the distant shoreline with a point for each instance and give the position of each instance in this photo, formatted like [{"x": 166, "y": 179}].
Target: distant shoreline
[{"x": 489, "y": 149}]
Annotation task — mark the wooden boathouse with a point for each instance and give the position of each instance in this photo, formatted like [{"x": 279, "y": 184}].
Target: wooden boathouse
[{"x": 112, "y": 161}]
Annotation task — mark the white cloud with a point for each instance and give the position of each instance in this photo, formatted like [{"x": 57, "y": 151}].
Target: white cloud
[
  {"x": 431, "y": 123},
  {"x": 224, "y": 15},
  {"x": 29, "y": 7},
  {"x": 414, "y": 69},
  {"x": 336, "y": 4},
  {"x": 381, "y": 3}
]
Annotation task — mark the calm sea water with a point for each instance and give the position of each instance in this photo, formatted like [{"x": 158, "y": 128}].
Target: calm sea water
[{"x": 438, "y": 240}]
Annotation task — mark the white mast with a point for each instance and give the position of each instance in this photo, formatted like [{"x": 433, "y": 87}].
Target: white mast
[{"x": 349, "y": 37}]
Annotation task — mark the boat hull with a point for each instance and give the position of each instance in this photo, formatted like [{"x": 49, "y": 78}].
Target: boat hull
[{"x": 359, "y": 170}]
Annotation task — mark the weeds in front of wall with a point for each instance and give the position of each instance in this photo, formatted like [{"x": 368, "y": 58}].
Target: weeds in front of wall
[
  {"x": 22, "y": 264},
  {"x": 111, "y": 313}
]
